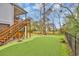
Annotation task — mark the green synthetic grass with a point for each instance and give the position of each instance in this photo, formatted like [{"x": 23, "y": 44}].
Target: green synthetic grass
[{"x": 49, "y": 45}]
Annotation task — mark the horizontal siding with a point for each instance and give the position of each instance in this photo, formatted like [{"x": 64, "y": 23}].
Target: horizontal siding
[{"x": 6, "y": 13}]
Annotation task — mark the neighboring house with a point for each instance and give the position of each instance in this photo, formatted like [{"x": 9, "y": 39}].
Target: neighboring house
[{"x": 10, "y": 14}]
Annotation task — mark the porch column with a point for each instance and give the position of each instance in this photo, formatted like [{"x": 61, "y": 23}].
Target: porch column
[
  {"x": 26, "y": 28},
  {"x": 26, "y": 32},
  {"x": 29, "y": 26}
]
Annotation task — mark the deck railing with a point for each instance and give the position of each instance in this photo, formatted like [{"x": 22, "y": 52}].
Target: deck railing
[{"x": 11, "y": 32}]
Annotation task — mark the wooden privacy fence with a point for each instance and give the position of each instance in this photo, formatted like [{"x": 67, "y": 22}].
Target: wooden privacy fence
[{"x": 73, "y": 42}]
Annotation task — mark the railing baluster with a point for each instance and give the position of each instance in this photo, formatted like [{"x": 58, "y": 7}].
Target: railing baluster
[{"x": 11, "y": 32}]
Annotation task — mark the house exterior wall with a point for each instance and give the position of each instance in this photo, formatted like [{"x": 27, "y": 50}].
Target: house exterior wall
[
  {"x": 3, "y": 26},
  {"x": 6, "y": 13}
]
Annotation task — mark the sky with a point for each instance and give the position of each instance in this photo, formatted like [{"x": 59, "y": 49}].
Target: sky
[{"x": 34, "y": 9}]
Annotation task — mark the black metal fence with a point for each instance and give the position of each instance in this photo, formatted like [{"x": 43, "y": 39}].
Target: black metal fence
[{"x": 73, "y": 42}]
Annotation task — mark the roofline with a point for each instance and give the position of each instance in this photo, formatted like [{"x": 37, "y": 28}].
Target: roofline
[{"x": 18, "y": 7}]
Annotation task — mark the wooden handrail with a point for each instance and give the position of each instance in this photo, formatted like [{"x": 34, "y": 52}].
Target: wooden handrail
[{"x": 8, "y": 33}]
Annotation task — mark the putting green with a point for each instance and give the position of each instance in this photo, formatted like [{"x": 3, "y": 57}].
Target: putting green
[{"x": 40, "y": 45}]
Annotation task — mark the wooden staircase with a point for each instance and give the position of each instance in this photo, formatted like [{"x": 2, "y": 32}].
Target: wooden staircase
[{"x": 12, "y": 32}]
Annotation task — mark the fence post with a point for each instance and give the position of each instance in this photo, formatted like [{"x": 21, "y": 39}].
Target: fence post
[{"x": 75, "y": 44}]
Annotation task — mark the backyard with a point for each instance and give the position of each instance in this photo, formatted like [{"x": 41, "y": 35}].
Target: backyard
[
  {"x": 37, "y": 45},
  {"x": 39, "y": 29}
]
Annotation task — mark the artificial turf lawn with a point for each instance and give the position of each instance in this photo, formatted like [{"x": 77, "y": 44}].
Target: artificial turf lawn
[{"x": 49, "y": 45}]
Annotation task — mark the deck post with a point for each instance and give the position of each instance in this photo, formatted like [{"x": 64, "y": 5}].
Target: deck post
[
  {"x": 26, "y": 28},
  {"x": 25, "y": 32},
  {"x": 29, "y": 28}
]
